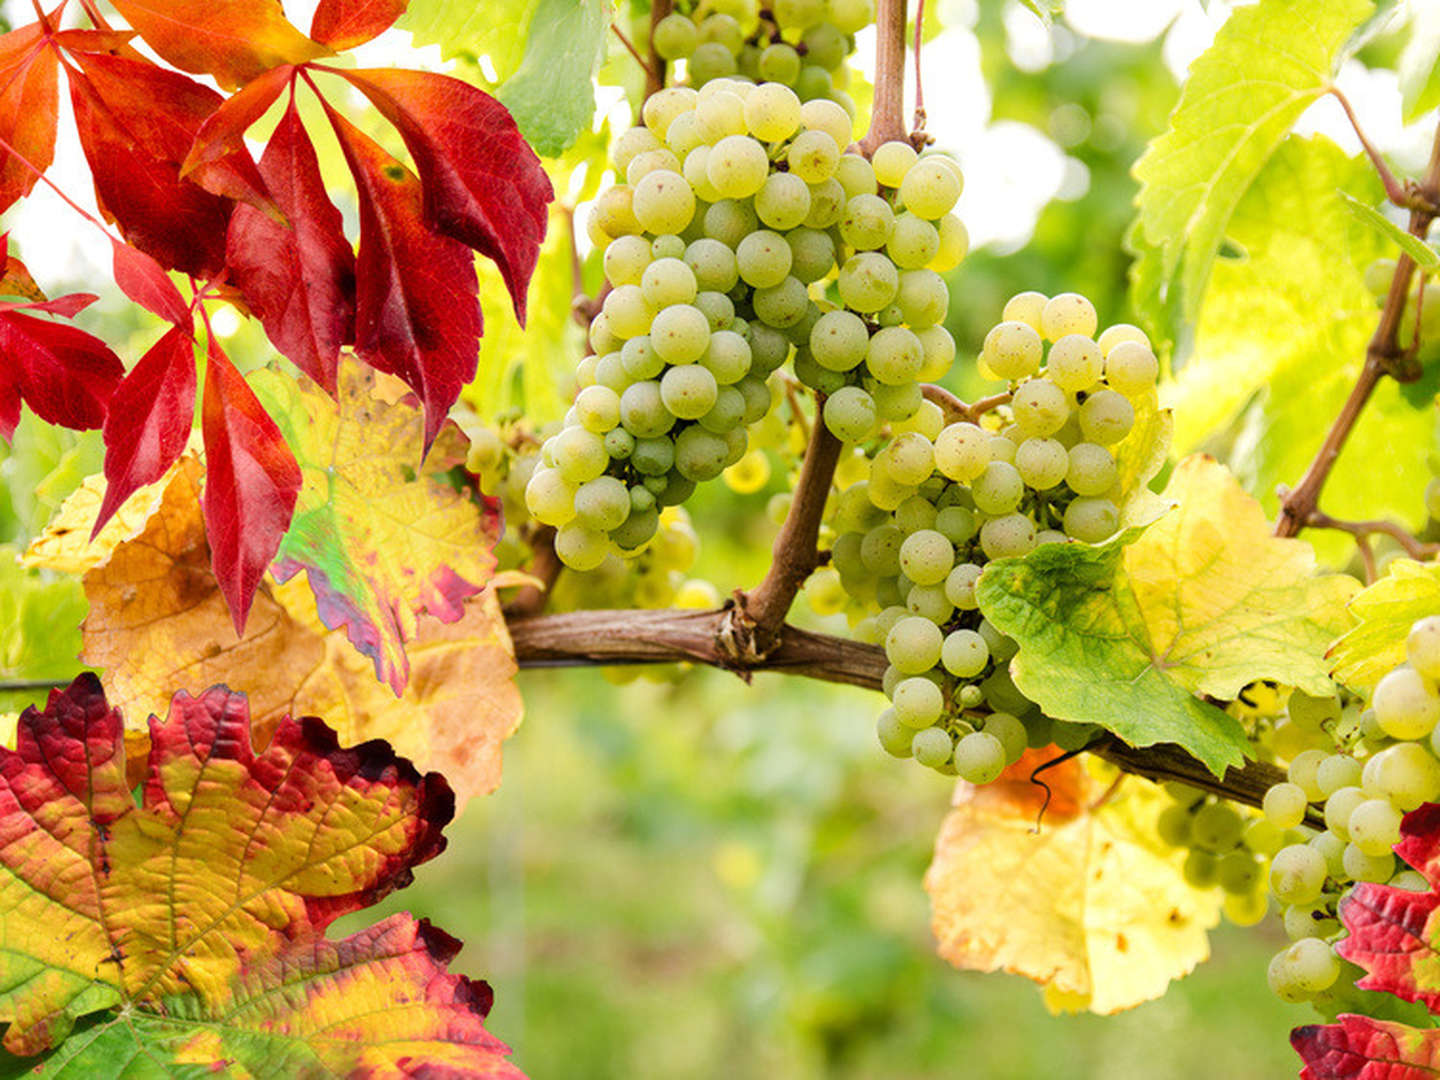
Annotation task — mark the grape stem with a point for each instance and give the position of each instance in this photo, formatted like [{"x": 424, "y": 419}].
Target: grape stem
[
  {"x": 651, "y": 78},
  {"x": 1405, "y": 196},
  {"x": 545, "y": 567},
  {"x": 887, "y": 121},
  {"x": 1361, "y": 530},
  {"x": 1383, "y": 357},
  {"x": 956, "y": 410},
  {"x": 668, "y": 636},
  {"x": 655, "y": 69},
  {"x": 918, "y": 137}
]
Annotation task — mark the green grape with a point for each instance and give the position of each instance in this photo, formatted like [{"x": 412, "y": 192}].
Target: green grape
[
  {"x": 867, "y": 222},
  {"x": 718, "y": 309},
  {"x": 929, "y": 601},
  {"x": 710, "y": 61},
  {"x": 894, "y": 736},
  {"x": 763, "y": 259},
  {"x": 1422, "y": 647},
  {"x": 892, "y": 160},
  {"x": 598, "y": 408},
  {"x": 913, "y": 242},
  {"x": 668, "y": 281},
  {"x": 1238, "y": 873},
  {"x": 1025, "y": 308},
  {"x": 1075, "y": 363},
  {"x": 922, "y": 298},
  {"x": 849, "y": 413},
  {"x": 1309, "y": 921},
  {"x": 1200, "y": 869},
  {"x": 640, "y": 360},
  {"x": 964, "y": 653},
  {"x": 783, "y": 202},
  {"x": 960, "y": 586},
  {"x": 917, "y": 701},
  {"x": 1285, "y": 805},
  {"x": 851, "y": 16},
  {"x": 641, "y": 166},
  {"x": 1313, "y": 965},
  {"x": 1374, "y": 826},
  {"x": 957, "y": 524},
  {"x": 727, "y": 358},
  {"x": 610, "y": 372},
  {"x": 930, "y": 189},
  {"x": 980, "y": 757},
  {"x": 954, "y": 244},
  {"x": 894, "y": 355},
  {"x": 580, "y": 454},
  {"x": 779, "y": 63},
  {"x": 910, "y": 458},
  {"x": 1338, "y": 808},
  {"x": 700, "y": 455},
  {"x": 737, "y": 167},
  {"x": 1406, "y": 705},
  {"x": 1009, "y": 729},
  {"x": 1091, "y": 520},
  {"x": 831, "y": 119},
  {"x": 696, "y": 171},
  {"x": 1040, "y": 407},
  {"x": 1131, "y": 369},
  {"x": 1067, "y": 313},
  {"x": 1336, "y": 771},
  {"x": 772, "y": 112},
  {"x": 713, "y": 264},
  {"x": 1092, "y": 470},
  {"x": 626, "y": 259},
  {"x": 814, "y": 82},
  {"x": 932, "y": 747},
  {"x": 914, "y": 515},
  {"x": 913, "y": 644},
  {"x": 643, "y": 412},
  {"x": 898, "y": 403},
  {"x": 1332, "y": 850},
  {"x": 1118, "y": 334},
  {"x": 1378, "y": 276},
  {"x": 1216, "y": 828},
  {"x": 634, "y": 141},
  {"x": 614, "y": 211},
  {"x": 1106, "y": 417},
  {"x": 628, "y": 311},
  {"x": 619, "y": 444},
  {"x": 827, "y": 203},
  {"x": 1297, "y": 874},
  {"x": 683, "y": 137},
  {"x": 812, "y": 254},
  {"x": 926, "y": 557},
  {"x": 1007, "y": 536},
  {"x": 1363, "y": 867},
  {"x": 1173, "y": 825},
  {"x": 999, "y": 489},
  {"x": 1408, "y": 775},
  {"x": 720, "y": 114},
  {"x": 1304, "y": 770},
  {"x": 549, "y": 497},
  {"x": 680, "y": 334},
  {"x": 962, "y": 451},
  {"x": 1012, "y": 350},
  {"x": 667, "y": 246},
  {"x": 581, "y": 547},
  {"x": 937, "y": 353},
  {"x": 783, "y": 305},
  {"x": 653, "y": 456},
  {"x": 813, "y": 156},
  {"x": 602, "y": 503},
  {"x": 1042, "y": 463},
  {"x": 756, "y": 395},
  {"x": 688, "y": 391},
  {"x": 856, "y": 176}
]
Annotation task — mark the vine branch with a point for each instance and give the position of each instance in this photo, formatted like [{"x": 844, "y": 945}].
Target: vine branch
[
  {"x": 1383, "y": 357},
  {"x": 887, "y": 119}
]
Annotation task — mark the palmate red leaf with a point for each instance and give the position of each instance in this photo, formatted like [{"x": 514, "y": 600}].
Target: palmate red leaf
[
  {"x": 417, "y": 312},
  {"x": 29, "y": 99},
  {"x": 137, "y": 122},
  {"x": 149, "y": 420},
  {"x": 298, "y": 279},
  {"x": 64, "y": 374},
  {"x": 1359, "y": 1048},
  {"x": 233, "y": 40},
  {"x": 251, "y": 483},
  {"x": 483, "y": 184},
  {"x": 343, "y": 24}
]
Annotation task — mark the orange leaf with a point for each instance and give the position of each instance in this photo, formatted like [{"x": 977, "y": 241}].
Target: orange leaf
[{"x": 29, "y": 98}]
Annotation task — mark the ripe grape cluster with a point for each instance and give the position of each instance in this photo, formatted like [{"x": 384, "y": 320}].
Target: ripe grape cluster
[
  {"x": 941, "y": 500},
  {"x": 1370, "y": 772},
  {"x": 1227, "y": 847},
  {"x": 802, "y": 44}
]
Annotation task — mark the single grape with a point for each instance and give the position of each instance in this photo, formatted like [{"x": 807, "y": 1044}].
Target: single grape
[
  {"x": 1091, "y": 520},
  {"x": 1338, "y": 808},
  {"x": 850, "y": 414},
  {"x": 918, "y": 702},
  {"x": 1012, "y": 350},
  {"x": 1216, "y": 828},
  {"x": 930, "y": 189},
  {"x": 867, "y": 222},
  {"x": 1067, "y": 313},
  {"x": 980, "y": 757},
  {"x": 1422, "y": 647},
  {"x": 962, "y": 451},
  {"x": 1121, "y": 332},
  {"x": 1297, "y": 874},
  {"x": 1407, "y": 774},
  {"x": 668, "y": 281},
  {"x": 1106, "y": 417},
  {"x": 839, "y": 340},
  {"x": 960, "y": 586},
  {"x": 1008, "y": 536},
  {"x": 1406, "y": 704},
  {"x": 1374, "y": 826},
  {"x": 1363, "y": 867},
  {"x": 813, "y": 156},
  {"x": 913, "y": 644},
  {"x": 894, "y": 355},
  {"x": 894, "y": 736},
  {"x": 932, "y": 747},
  {"x": 892, "y": 160},
  {"x": 1092, "y": 470},
  {"x": 580, "y": 547},
  {"x": 580, "y": 455},
  {"x": 999, "y": 489},
  {"x": 829, "y": 118},
  {"x": 680, "y": 334},
  {"x": 1131, "y": 369},
  {"x": 643, "y": 412},
  {"x": 1075, "y": 363},
  {"x": 868, "y": 282},
  {"x": 1040, "y": 407},
  {"x": 1042, "y": 463}
]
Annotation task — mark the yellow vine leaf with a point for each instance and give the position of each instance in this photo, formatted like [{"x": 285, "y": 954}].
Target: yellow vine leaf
[
  {"x": 158, "y": 623},
  {"x": 1385, "y": 612},
  {"x": 1093, "y": 906}
]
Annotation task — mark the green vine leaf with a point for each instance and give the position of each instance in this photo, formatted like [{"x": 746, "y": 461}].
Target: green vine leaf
[
  {"x": 1419, "y": 65},
  {"x": 552, "y": 93},
  {"x": 1385, "y": 612},
  {"x": 1426, "y": 257},
  {"x": 1268, "y": 63},
  {"x": 495, "y": 30},
  {"x": 1133, "y": 633}
]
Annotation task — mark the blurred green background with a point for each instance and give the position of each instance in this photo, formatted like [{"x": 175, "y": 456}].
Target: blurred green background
[{"x": 687, "y": 877}]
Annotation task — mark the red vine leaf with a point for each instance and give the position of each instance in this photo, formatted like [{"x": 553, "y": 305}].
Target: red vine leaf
[
  {"x": 483, "y": 184},
  {"x": 65, "y": 375},
  {"x": 417, "y": 312},
  {"x": 191, "y": 928},
  {"x": 343, "y": 24},
  {"x": 251, "y": 484},
  {"x": 144, "y": 280},
  {"x": 149, "y": 420},
  {"x": 1359, "y": 1048},
  {"x": 29, "y": 100},
  {"x": 137, "y": 122},
  {"x": 222, "y": 136},
  {"x": 298, "y": 278},
  {"x": 234, "y": 40}
]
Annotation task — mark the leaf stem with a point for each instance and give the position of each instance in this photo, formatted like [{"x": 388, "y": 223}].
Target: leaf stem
[
  {"x": 1395, "y": 191},
  {"x": 651, "y": 77},
  {"x": 918, "y": 136}
]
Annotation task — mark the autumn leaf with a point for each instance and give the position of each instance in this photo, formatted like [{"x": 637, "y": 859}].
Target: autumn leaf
[
  {"x": 174, "y": 925},
  {"x": 380, "y": 542},
  {"x": 29, "y": 104},
  {"x": 1131, "y": 634},
  {"x": 417, "y": 311},
  {"x": 64, "y": 374},
  {"x": 251, "y": 483},
  {"x": 298, "y": 277},
  {"x": 482, "y": 183},
  {"x": 144, "y": 280},
  {"x": 1384, "y": 613},
  {"x": 343, "y": 24},
  {"x": 158, "y": 621},
  {"x": 233, "y": 40},
  {"x": 1359, "y": 1048},
  {"x": 1092, "y": 906}
]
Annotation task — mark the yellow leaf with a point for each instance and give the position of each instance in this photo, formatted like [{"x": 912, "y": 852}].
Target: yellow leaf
[{"x": 1093, "y": 907}]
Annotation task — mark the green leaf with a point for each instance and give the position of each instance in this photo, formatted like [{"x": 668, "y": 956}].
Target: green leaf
[
  {"x": 1268, "y": 63},
  {"x": 1419, "y": 65},
  {"x": 494, "y": 29},
  {"x": 1426, "y": 257},
  {"x": 1386, "y": 611},
  {"x": 1133, "y": 633},
  {"x": 551, "y": 94},
  {"x": 1283, "y": 336}
]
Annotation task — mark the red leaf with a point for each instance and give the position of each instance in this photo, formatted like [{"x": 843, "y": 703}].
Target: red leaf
[
  {"x": 15, "y": 279},
  {"x": 222, "y": 137},
  {"x": 68, "y": 306},
  {"x": 1359, "y": 1048},
  {"x": 64, "y": 374},
  {"x": 29, "y": 98},
  {"x": 417, "y": 313},
  {"x": 144, "y": 280},
  {"x": 116, "y": 42},
  {"x": 343, "y": 24},
  {"x": 149, "y": 420},
  {"x": 137, "y": 122},
  {"x": 299, "y": 279},
  {"x": 234, "y": 40},
  {"x": 1389, "y": 939},
  {"x": 483, "y": 185},
  {"x": 251, "y": 483}
]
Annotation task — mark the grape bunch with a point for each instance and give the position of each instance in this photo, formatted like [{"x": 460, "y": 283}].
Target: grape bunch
[
  {"x": 1227, "y": 847},
  {"x": 941, "y": 500},
  {"x": 802, "y": 44},
  {"x": 894, "y": 234}
]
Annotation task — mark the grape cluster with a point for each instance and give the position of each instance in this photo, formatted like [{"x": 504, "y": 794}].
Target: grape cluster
[
  {"x": 1226, "y": 848},
  {"x": 1368, "y": 774},
  {"x": 802, "y": 44},
  {"x": 894, "y": 234},
  {"x": 941, "y": 500}
]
